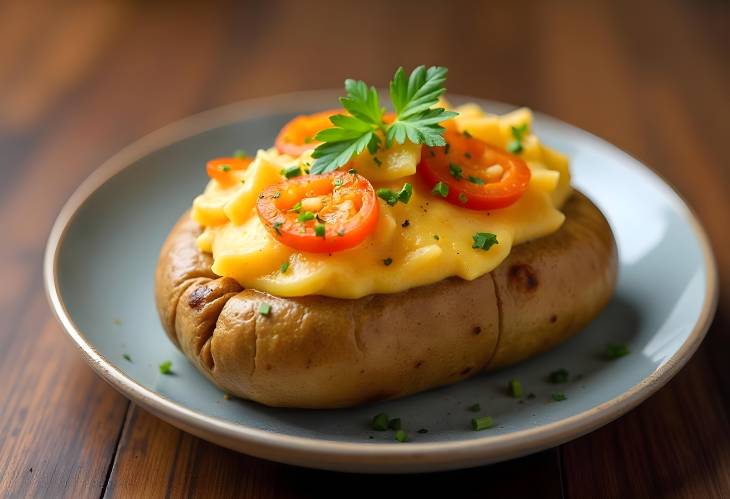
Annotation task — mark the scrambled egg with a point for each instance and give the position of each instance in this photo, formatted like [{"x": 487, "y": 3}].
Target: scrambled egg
[{"x": 424, "y": 241}]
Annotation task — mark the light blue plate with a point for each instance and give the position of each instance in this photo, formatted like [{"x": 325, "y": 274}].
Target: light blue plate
[{"x": 103, "y": 250}]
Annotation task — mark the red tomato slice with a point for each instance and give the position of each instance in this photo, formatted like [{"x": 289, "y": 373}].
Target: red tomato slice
[
  {"x": 220, "y": 169},
  {"x": 297, "y": 136},
  {"x": 478, "y": 176},
  {"x": 320, "y": 213}
]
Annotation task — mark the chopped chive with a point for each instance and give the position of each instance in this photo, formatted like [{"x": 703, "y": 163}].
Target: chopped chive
[
  {"x": 297, "y": 207},
  {"x": 558, "y": 396},
  {"x": 377, "y": 161},
  {"x": 319, "y": 230},
  {"x": 455, "y": 171},
  {"x": 387, "y": 261},
  {"x": 225, "y": 168},
  {"x": 463, "y": 198},
  {"x": 484, "y": 240},
  {"x": 240, "y": 153},
  {"x": 401, "y": 436},
  {"x": 395, "y": 424},
  {"x": 380, "y": 422},
  {"x": 284, "y": 267},
  {"x": 559, "y": 376},
  {"x": 479, "y": 424},
  {"x": 166, "y": 367},
  {"x": 422, "y": 431},
  {"x": 476, "y": 180},
  {"x": 305, "y": 216},
  {"x": 515, "y": 388},
  {"x": 265, "y": 309},
  {"x": 291, "y": 171},
  {"x": 388, "y": 196},
  {"x": 436, "y": 237},
  {"x": 405, "y": 193},
  {"x": 441, "y": 189},
  {"x": 615, "y": 351},
  {"x": 474, "y": 408},
  {"x": 127, "y": 357},
  {"x": 515, "y": 147},
  {"x": 276, "y": 226}
]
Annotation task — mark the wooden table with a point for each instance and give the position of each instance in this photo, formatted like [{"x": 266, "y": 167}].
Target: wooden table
[{"x": 78, "y": 81}]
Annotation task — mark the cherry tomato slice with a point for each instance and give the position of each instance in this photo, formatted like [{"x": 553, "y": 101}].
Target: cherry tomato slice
[
  {"x": 320, "y": 213},
  {"x": 479, "y": 176},
  {"x": 220, "y": 169},
  {"x": 297, "y": 136}
]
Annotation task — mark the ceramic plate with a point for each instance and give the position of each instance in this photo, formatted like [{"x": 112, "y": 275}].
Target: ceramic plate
[{"x": 103, "y": 250}]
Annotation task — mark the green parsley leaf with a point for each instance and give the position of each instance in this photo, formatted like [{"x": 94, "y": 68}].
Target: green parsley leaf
[
  {"x": 391, "y": 197},
  {"x": 518, "y": 132},
  {"x": 305, "y": 216},
  {"x": 387, "y": 261},
  {"x": 401, "y": 436},
  {"x": 463, "y": 198},
  {"x": 127, "y": 357},
  {"x": 284, "y": 267},
  {"x": 615, "y": 350},
  {"x": 440, "y": 189},
  {"x": 416, "y": 120},
  {"x": 292, "y": 171},
  {"x": 319, "y": 230},
  {"x": 476, "y": 180},
  {"x": 277, "y": 226},
  {"x": 558, "y": 396},
  {"x": 166, "y": 367},
  {"x": 455, "y": 171},
  {"x": 559, "y": 376},
  {"x": 379, "y": 422},
  {"x": 265, "y": 309},
  {"x": 405, "y": 193},
  {"x": 484, "y": 240}
]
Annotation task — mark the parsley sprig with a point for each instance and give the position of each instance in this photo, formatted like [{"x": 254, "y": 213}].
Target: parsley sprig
[{"x": 416, "y": 119}]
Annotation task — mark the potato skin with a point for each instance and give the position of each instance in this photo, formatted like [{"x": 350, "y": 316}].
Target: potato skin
[{"x": 322, "y": 352}]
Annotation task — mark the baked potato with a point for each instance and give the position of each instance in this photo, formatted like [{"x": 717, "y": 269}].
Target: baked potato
[{"x": 322, "y": 352}]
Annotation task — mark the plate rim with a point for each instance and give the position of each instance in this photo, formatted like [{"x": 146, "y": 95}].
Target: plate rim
[{"x": 354, "y": 456}]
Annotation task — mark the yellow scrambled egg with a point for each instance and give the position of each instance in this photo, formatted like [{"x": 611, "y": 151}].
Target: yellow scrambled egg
[{"x": 427, "y": 239}]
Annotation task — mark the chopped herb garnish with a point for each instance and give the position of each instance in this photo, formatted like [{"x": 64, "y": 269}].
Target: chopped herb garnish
[
  {"x": 463, "y": 198},
  {"x": 166, "y": 367},
  {"x": 476, "y": 180},
  {"x": 615, "y": 351},
  {"x": 319, "y": 230},
  {"x": 447, "y": 148},
  {"x": 276, "y": 227},
  {"x": 558, "y": 396},
  {"x": 387, "y": 261},
  {"x": 240, "y": 153},
  {"x": 422, "y": 431},
  {"x": 401, "y": 436},
  {"x": 225, "y": 168},
  {"x": 441, "y": 189},
  {"x": 436, "y": 237},
  {"x": 377, "y": 161},
  {"x": 518, "y": 132},
  {"x": 416, "y": 119},
  {"x": 127, "y": 357},
  {"x": 264, "y": 309},
  {"x": 284, "y": 267},
  {"x": 514, "y": 387},
  {"x": 380, "y": 422},
  {"x": 297, "y": 207},
  {"x": 484, "y": 240},
  {"x": 479, "y": 424},
  {"x": 305, "y": 216},
  {"x": 352, "y": 171},
  {"x": 405, "y": 223},
  {"x": 292, "y": 171},
  {"x": 405, "y": 193},
  {"x": 455, "y": 171},
  {"x": 391, "y": 197},
  {"x": 338, "y": 182},
  {"x": 474, "y": 408},
  {"x": 395, "y": 424},
  {"x": 559, "y": 376}
]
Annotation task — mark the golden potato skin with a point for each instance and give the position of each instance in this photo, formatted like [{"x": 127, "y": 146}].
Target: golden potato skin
[{"x": 321, "y": 352}]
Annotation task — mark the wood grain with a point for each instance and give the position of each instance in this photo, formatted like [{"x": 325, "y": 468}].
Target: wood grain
[{"x": 651, "y": 77}]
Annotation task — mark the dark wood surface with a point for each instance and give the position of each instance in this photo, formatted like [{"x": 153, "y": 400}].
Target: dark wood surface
[{"x": 80, "y": 80}]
